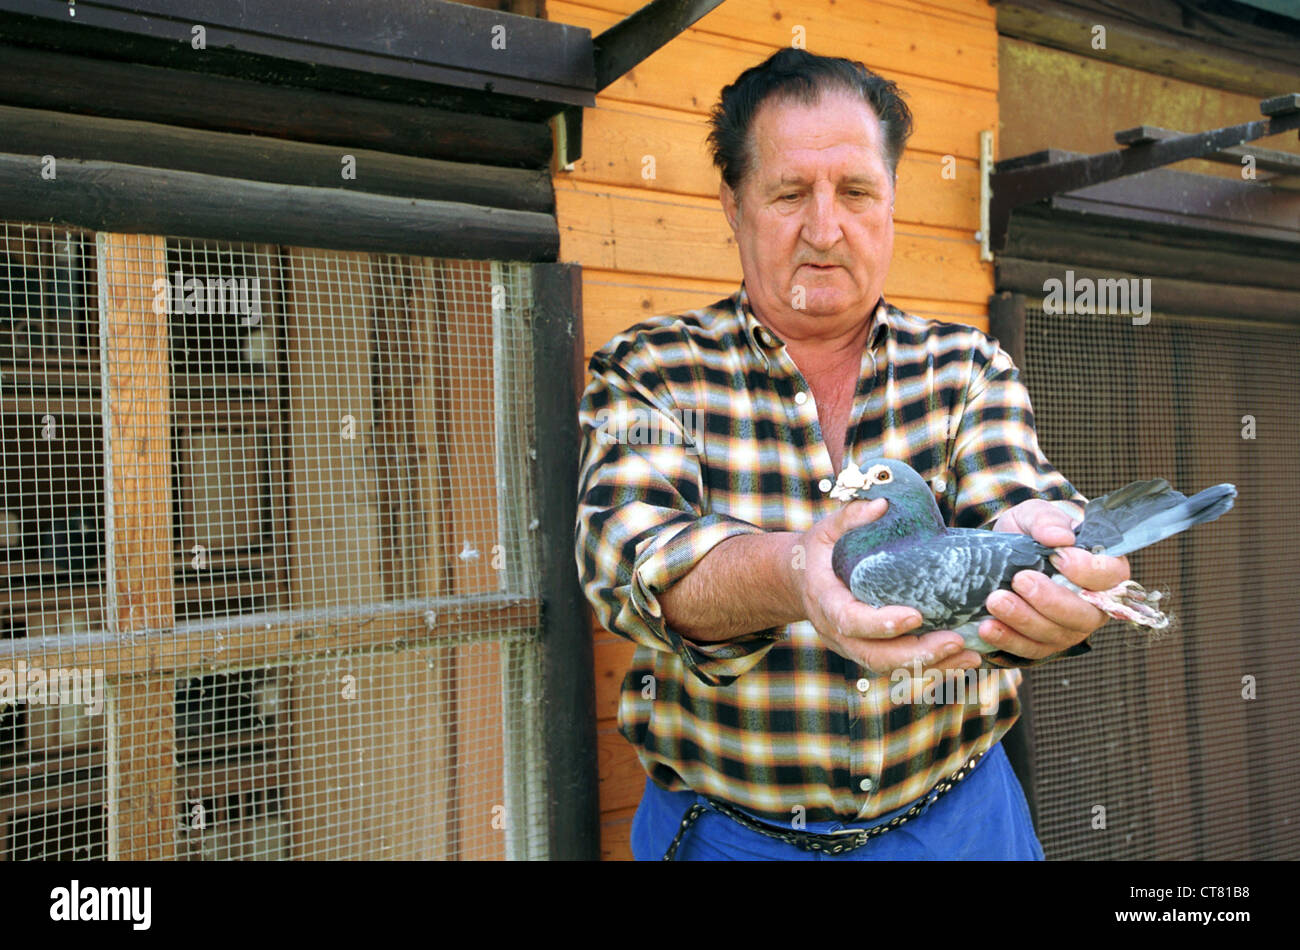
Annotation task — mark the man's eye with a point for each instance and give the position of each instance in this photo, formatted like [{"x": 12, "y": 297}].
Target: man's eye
[{"x": 788, "y": 197}]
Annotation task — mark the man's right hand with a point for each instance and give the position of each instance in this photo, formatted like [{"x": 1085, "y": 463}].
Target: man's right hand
[{"x": 875, "y": 638}]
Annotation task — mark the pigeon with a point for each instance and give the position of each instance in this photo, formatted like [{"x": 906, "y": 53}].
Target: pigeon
[{"x": 909, "y": 557}]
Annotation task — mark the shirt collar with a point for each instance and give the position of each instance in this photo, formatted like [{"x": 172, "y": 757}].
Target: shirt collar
[{"x": 764, "y": 342}]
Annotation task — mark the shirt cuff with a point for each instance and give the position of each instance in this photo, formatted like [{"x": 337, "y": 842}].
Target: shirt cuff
[{"x": 667, "y": 559}]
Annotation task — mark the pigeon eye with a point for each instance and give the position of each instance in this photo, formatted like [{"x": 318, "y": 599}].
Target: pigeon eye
[{"x": 881, "y": 475}]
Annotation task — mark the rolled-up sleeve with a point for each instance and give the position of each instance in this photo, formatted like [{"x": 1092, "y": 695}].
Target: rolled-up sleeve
[
  {"x": 641, "y": 523},
  {"x": 998, "y": 462}
]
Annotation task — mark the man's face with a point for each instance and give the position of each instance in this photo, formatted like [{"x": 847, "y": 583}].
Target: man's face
[{"x": 818, "y": 193}]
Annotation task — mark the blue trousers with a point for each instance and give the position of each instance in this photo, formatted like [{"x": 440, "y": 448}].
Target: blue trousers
[{"x": 983, "y": 817}]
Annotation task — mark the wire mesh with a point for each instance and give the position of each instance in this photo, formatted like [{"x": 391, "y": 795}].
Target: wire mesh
[
  {"x": 1182, "y": 746},
  {"x": 286, "y": 518}
]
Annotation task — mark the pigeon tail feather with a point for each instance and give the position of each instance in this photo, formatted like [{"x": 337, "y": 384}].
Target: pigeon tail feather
[{"x": 1144, "y": 513}]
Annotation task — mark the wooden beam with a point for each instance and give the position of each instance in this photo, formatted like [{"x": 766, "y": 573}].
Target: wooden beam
[
  {"x": 281, "y": 636},
  {"x": 573, "y": 817},
  {"x": 1039, "y": 233},
  {"x": 261, "y": 158},
  {"x": 105, "y": 87},
  {"x": 1266, "y": 159},
  {"x": 374, "y": 40},
  {"x": 1207, "y": 62},
  {"x": 106, "y": 196},
  {"x": 138, "y": 529},
  {"x": 142, "y": 820},
  {"x": 1168, "y": 295},
  {"x": 136, "y": 363}
]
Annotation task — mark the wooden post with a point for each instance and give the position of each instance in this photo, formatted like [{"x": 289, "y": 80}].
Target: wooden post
[{"x": 138, "y": 530}]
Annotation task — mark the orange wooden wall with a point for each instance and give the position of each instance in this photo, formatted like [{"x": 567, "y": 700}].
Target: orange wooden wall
[{"x": 661, "y": 244}]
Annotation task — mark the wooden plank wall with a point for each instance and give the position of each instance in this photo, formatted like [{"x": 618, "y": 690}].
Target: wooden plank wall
[{"x": 661, "y": 244}]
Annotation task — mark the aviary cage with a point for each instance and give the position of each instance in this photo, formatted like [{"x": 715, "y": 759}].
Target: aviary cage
[
  {"x": 280, "y": 505},
  {"x": 1176, "y": 747}
]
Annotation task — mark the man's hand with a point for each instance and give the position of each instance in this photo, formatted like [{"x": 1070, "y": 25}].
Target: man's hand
[
  {"x": 875, "y": 638},
  {"x": 1041, "y": 617}
]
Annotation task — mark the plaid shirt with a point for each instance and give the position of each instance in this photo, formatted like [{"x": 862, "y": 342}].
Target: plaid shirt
[{"x": 698, "y": 427}]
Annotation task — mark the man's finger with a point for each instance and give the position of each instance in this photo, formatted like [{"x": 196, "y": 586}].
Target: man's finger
[
  {"x": 1091, "y": 571},
  {"x": 1056, "y": 618},
  {"x": 853, "y": 515},
  {"x": 937, "y": 650},
  {"x": 1054, "y": 605},
  {"x": 997, "y": 634},
  {"x": 855, "y": 619}
]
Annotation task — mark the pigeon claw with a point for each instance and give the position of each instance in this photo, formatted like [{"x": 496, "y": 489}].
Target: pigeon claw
[{"x": 1129, "y": 601}]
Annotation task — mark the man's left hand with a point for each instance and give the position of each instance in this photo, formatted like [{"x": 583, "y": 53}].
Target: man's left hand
[{"x": 1042, "y": 618}]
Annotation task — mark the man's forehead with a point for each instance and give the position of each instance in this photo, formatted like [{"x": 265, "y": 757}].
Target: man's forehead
[{"x": 838, "y": 129}]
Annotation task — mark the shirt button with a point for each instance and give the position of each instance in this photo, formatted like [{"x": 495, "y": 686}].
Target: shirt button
[
  {"x": 800, "y": 398},
  {"x": 940, "y": 485},
  {"x": 825, "y": 485},
  {"x": 864, "y": 684},
  {"x": 866, "y": 784}
]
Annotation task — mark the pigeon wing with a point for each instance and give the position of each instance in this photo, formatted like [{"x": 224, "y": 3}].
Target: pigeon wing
[{"x": 946, "y": 577}]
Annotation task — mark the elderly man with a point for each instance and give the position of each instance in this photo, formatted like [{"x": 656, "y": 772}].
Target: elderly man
[{"x": 759, "y": 698}]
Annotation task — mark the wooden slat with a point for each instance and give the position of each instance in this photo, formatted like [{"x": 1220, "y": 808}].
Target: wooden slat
[
  {"x": 613, "y": 302},
  {"x": 616, "y": 835},
  {"x": 335, "y": 554},
  {"x": 613, "y": 657},
  {"x": 619, "y": 140},
  {"x": 982, "y": 11},
  {"x": 259, "y": 639},
  {"x": 142, "y": 818},
  {"x": 688, "y": 75},
  {"x": 464, "y": 372},
  {"x": 622, "y": 780},
  {"x": 685, "y": 238},
  {"x": 34, "y": 131},
  {"x": 140, "y": 597},
  {"x": 886, "y": 37},
  {"x": 408, "y": 430},
  {"x": 368, "y": 777}
]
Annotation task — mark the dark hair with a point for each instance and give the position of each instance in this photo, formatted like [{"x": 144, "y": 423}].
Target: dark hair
[{"x": 796, "y": 74}]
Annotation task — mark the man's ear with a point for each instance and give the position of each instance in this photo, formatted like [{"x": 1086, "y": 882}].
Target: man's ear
[{"x": 730, "y": 206}]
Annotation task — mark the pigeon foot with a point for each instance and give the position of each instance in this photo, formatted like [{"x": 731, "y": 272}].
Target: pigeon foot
[{"x": 1129, "y": 601}]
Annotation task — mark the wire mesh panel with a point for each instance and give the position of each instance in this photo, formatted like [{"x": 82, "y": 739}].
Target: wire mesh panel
[
  {"x": 52, "y": 776},
  {"x": 1181, "y": 746},
  {"x": 308, "y": 474}
]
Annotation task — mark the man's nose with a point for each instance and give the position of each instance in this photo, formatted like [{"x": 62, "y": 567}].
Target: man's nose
[{"x": 821, "y": 228}]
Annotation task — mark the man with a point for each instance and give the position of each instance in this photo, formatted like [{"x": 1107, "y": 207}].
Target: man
[{"x": 759, "y": 698}]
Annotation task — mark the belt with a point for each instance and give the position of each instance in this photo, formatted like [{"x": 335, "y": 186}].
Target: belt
[{"x": 835, "y": 842}]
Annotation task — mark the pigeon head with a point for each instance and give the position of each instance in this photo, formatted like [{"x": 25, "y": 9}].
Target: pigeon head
[
  {"x": 897, "y": 482},
  {"x": 879, "y": 478}
]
